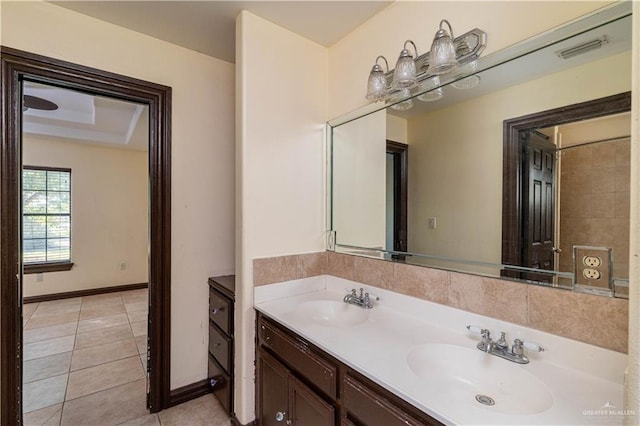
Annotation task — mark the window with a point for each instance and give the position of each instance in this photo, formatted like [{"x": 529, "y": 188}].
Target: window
[{"x": 46, "y": 219}]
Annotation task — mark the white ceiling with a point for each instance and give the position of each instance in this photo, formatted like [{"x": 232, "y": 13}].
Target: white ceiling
[
  {"x": 209, "y": 26},
  {"x": 85, "y": 118}
]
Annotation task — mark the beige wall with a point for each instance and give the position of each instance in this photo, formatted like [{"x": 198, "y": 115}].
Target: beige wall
[
  {"x": 359, "y": 157},
  {"x": 280, "y": 118},
  {"x": 109, "y": 214},
  {"x": 396, "y": 129},
  {"x": 455, "y": 166},
  {"x": 202, "y": 150}
]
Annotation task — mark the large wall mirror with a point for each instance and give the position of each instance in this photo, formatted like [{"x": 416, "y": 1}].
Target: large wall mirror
[{"x": 523, "y": 175}]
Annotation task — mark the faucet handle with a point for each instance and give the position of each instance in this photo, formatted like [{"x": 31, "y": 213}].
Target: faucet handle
[
  {"x": 475, "y": 329},
  {"x": 533, "y": 346}
]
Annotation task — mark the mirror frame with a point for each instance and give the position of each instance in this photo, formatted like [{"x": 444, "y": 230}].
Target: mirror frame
[
  {"x": 18, "y": 66},
  {"x": 512, "y": 170}
]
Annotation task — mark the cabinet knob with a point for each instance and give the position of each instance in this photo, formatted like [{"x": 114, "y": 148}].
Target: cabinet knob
[
  {"x": 216, "y": 310},
  {"x": 280, "y": 416}
]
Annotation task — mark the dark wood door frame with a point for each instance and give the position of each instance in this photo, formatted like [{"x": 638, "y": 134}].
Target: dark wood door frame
[
  {"x": 18, "y": 66},
  {"x": 513, "y": 158},
  {"x": 400, "y": 153}
]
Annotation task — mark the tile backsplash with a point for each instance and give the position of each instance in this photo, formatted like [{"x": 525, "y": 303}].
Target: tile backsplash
[{"x": 597, "y": 320}]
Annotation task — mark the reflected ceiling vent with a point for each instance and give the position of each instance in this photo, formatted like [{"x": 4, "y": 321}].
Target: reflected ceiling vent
[{"x": 582, "y": 48}]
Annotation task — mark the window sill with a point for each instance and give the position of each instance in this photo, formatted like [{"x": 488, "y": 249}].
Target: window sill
[{"x": 37, "y": 268}]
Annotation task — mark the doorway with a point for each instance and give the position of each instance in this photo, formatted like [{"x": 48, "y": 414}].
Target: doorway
[
  {"x": 397, "y": 181},
  {"x": 19, "y": 66}
]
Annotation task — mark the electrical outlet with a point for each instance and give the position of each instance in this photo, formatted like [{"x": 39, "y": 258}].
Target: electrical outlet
[
  {"x": 591, "y": 261},
  {"x": 431, "y": 222},
  {"x": 39, "y": 277},
  {"x": 591, "y": 274},
  {"x": 123, "y": 266}
]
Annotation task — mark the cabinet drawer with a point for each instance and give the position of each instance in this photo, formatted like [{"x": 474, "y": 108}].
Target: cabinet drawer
[
  {"x": 370, "y": 408},
  {"x": 220, "y": 311},
  {"x": 220, "y": 347},
  {"x": 300, "y": 357},
  {"x": 220, "y": 384}
]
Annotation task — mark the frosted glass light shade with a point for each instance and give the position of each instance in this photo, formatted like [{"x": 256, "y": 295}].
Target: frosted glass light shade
[
  {"x": 404, "y": 76},
  {"x": 468, "y": 82},
  {"x": 377, "y": 84},
  {"x": 434, "y": 92},
  {"x": 404, "y": 105},
  {"x": 442, "y": 56}
]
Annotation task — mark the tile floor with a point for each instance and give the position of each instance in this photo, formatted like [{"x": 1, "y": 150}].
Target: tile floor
[{"x": 84, "y": 364}]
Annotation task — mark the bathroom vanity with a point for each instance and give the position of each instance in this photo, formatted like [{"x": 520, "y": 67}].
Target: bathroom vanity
[{"x": 406, "y": 361}]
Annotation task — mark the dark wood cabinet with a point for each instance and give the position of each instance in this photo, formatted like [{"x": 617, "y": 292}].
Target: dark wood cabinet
[
  {"x": 297, "y": 383},
  {"x": 220, "y": 371}
]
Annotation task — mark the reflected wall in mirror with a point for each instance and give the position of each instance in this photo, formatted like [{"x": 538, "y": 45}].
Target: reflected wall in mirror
[{"x": 455, "y": 154}]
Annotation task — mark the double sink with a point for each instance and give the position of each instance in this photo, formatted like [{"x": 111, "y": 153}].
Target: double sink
[{"x": 422, "y": 352}]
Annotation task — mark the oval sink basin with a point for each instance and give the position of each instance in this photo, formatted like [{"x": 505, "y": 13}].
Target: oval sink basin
[
  {"x": 468, "y": 376},
  {"x": 332, "y": 313}
]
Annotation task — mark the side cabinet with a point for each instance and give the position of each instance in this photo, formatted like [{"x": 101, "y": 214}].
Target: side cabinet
[
  {"x": 297, "y": 383},
  {"x": 221, "y": 330}
]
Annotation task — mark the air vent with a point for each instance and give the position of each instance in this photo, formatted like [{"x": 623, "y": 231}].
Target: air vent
[{"x": 582, "y": 48}]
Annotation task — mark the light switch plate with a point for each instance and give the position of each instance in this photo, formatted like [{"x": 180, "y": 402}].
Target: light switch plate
[{"x": 592, "y": 269}]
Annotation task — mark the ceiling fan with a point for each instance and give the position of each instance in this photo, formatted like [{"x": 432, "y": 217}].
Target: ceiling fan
[{"x": 35, "y": 102}]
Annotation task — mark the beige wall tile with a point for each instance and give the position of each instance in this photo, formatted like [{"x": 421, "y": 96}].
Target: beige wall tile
[
  {"x": 602, "y": 232},
  {"x": 622, "y": 205},
  {"x": 311, "y": 264},
  {"x": 340, "y": 265},
  {"x": 603, "y": 179},
  {"x": 424, "y": 283},
  {"x": 274, "y": 270},
  {"x": 600, "y": 321},
  {"x": 622, "y": 179},
  {"x": 603, "y": 205},
  {"x": 374, "y": 272},
  {"x": 623, "y": 153},
  {"x": 603, "y": 154},
  {"x": 501, "y": 299}
]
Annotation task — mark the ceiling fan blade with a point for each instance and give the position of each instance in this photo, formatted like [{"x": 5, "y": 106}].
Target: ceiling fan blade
[{"x": 38, "y": 103}]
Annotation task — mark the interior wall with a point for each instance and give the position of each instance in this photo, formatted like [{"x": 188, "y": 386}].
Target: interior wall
[
  {"x": 109, "y": 214},
  {"x": 506, "y": 23},
  {"x": 455, "y": 166},
  {"x": 396, "y": 129},
  {"x": 202, "y": 169},
  {"x": 280, "y": 120},
  {"x": 359, "y": 156}
]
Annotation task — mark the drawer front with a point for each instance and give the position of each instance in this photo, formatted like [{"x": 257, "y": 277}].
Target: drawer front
[
  {"x": 301, "y": 358},
  {"x": 220, "y": 384},
  {"x": 370, "y": 408},
  {"x": 221, "y": 311},
  {"x": 220, "y": 347}
]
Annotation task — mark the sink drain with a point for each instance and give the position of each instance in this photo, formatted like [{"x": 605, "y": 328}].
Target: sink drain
[{"x": 485, "y": 400}]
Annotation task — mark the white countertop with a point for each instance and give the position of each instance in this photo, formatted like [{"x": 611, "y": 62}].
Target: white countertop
[{"x": 585, "y": 382}]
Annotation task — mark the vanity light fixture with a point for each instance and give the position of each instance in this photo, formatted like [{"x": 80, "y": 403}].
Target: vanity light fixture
[
  {"x": 443, "y": 52},
  {"x": 455, "y": 57},
  {"x": 404, "y": 76}
]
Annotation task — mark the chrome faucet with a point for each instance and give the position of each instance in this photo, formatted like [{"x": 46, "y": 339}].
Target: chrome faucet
[
  {"x": 363, "y": 300},
  {"x": 500, "y": 347}
]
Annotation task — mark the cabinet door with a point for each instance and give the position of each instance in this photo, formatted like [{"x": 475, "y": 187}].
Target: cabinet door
[
  {"x": 307, "y": 408},
  {"x": 272, "y": 391}
]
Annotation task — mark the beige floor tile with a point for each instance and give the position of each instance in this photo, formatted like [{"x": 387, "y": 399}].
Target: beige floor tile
[
  {"x": 141, "y": 342},
  {"x": 148, "y": 420},
  {"x": 137, "y": 306},
  {"x": 205, "y": 410},
  {"x": 28, "y": 309},
  {"x": 139, "y": 328},
  {"x": 96, "y": 355},
  {"x": 43, "y": 416},
  {"x": 48, "y": 347},
  {"x": 93, "y": 324},
  {"x": 49, "y": 320},
  {"x": 101, "y": 311},
  {"x": 113, "y": 406},
  {"x": 104, "y": 376},
  {"x": 143, "y": 361},
  {"x": 43, "y": 393},
  {"x": 57, "y": 307},
  {"x": 44, "y": 333},
  {"x": 105, "y": 335},
  {"x": 140, "y": 297},
  {"x": 137, "y": 316},
  {"x": 48, "y": 366}
]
